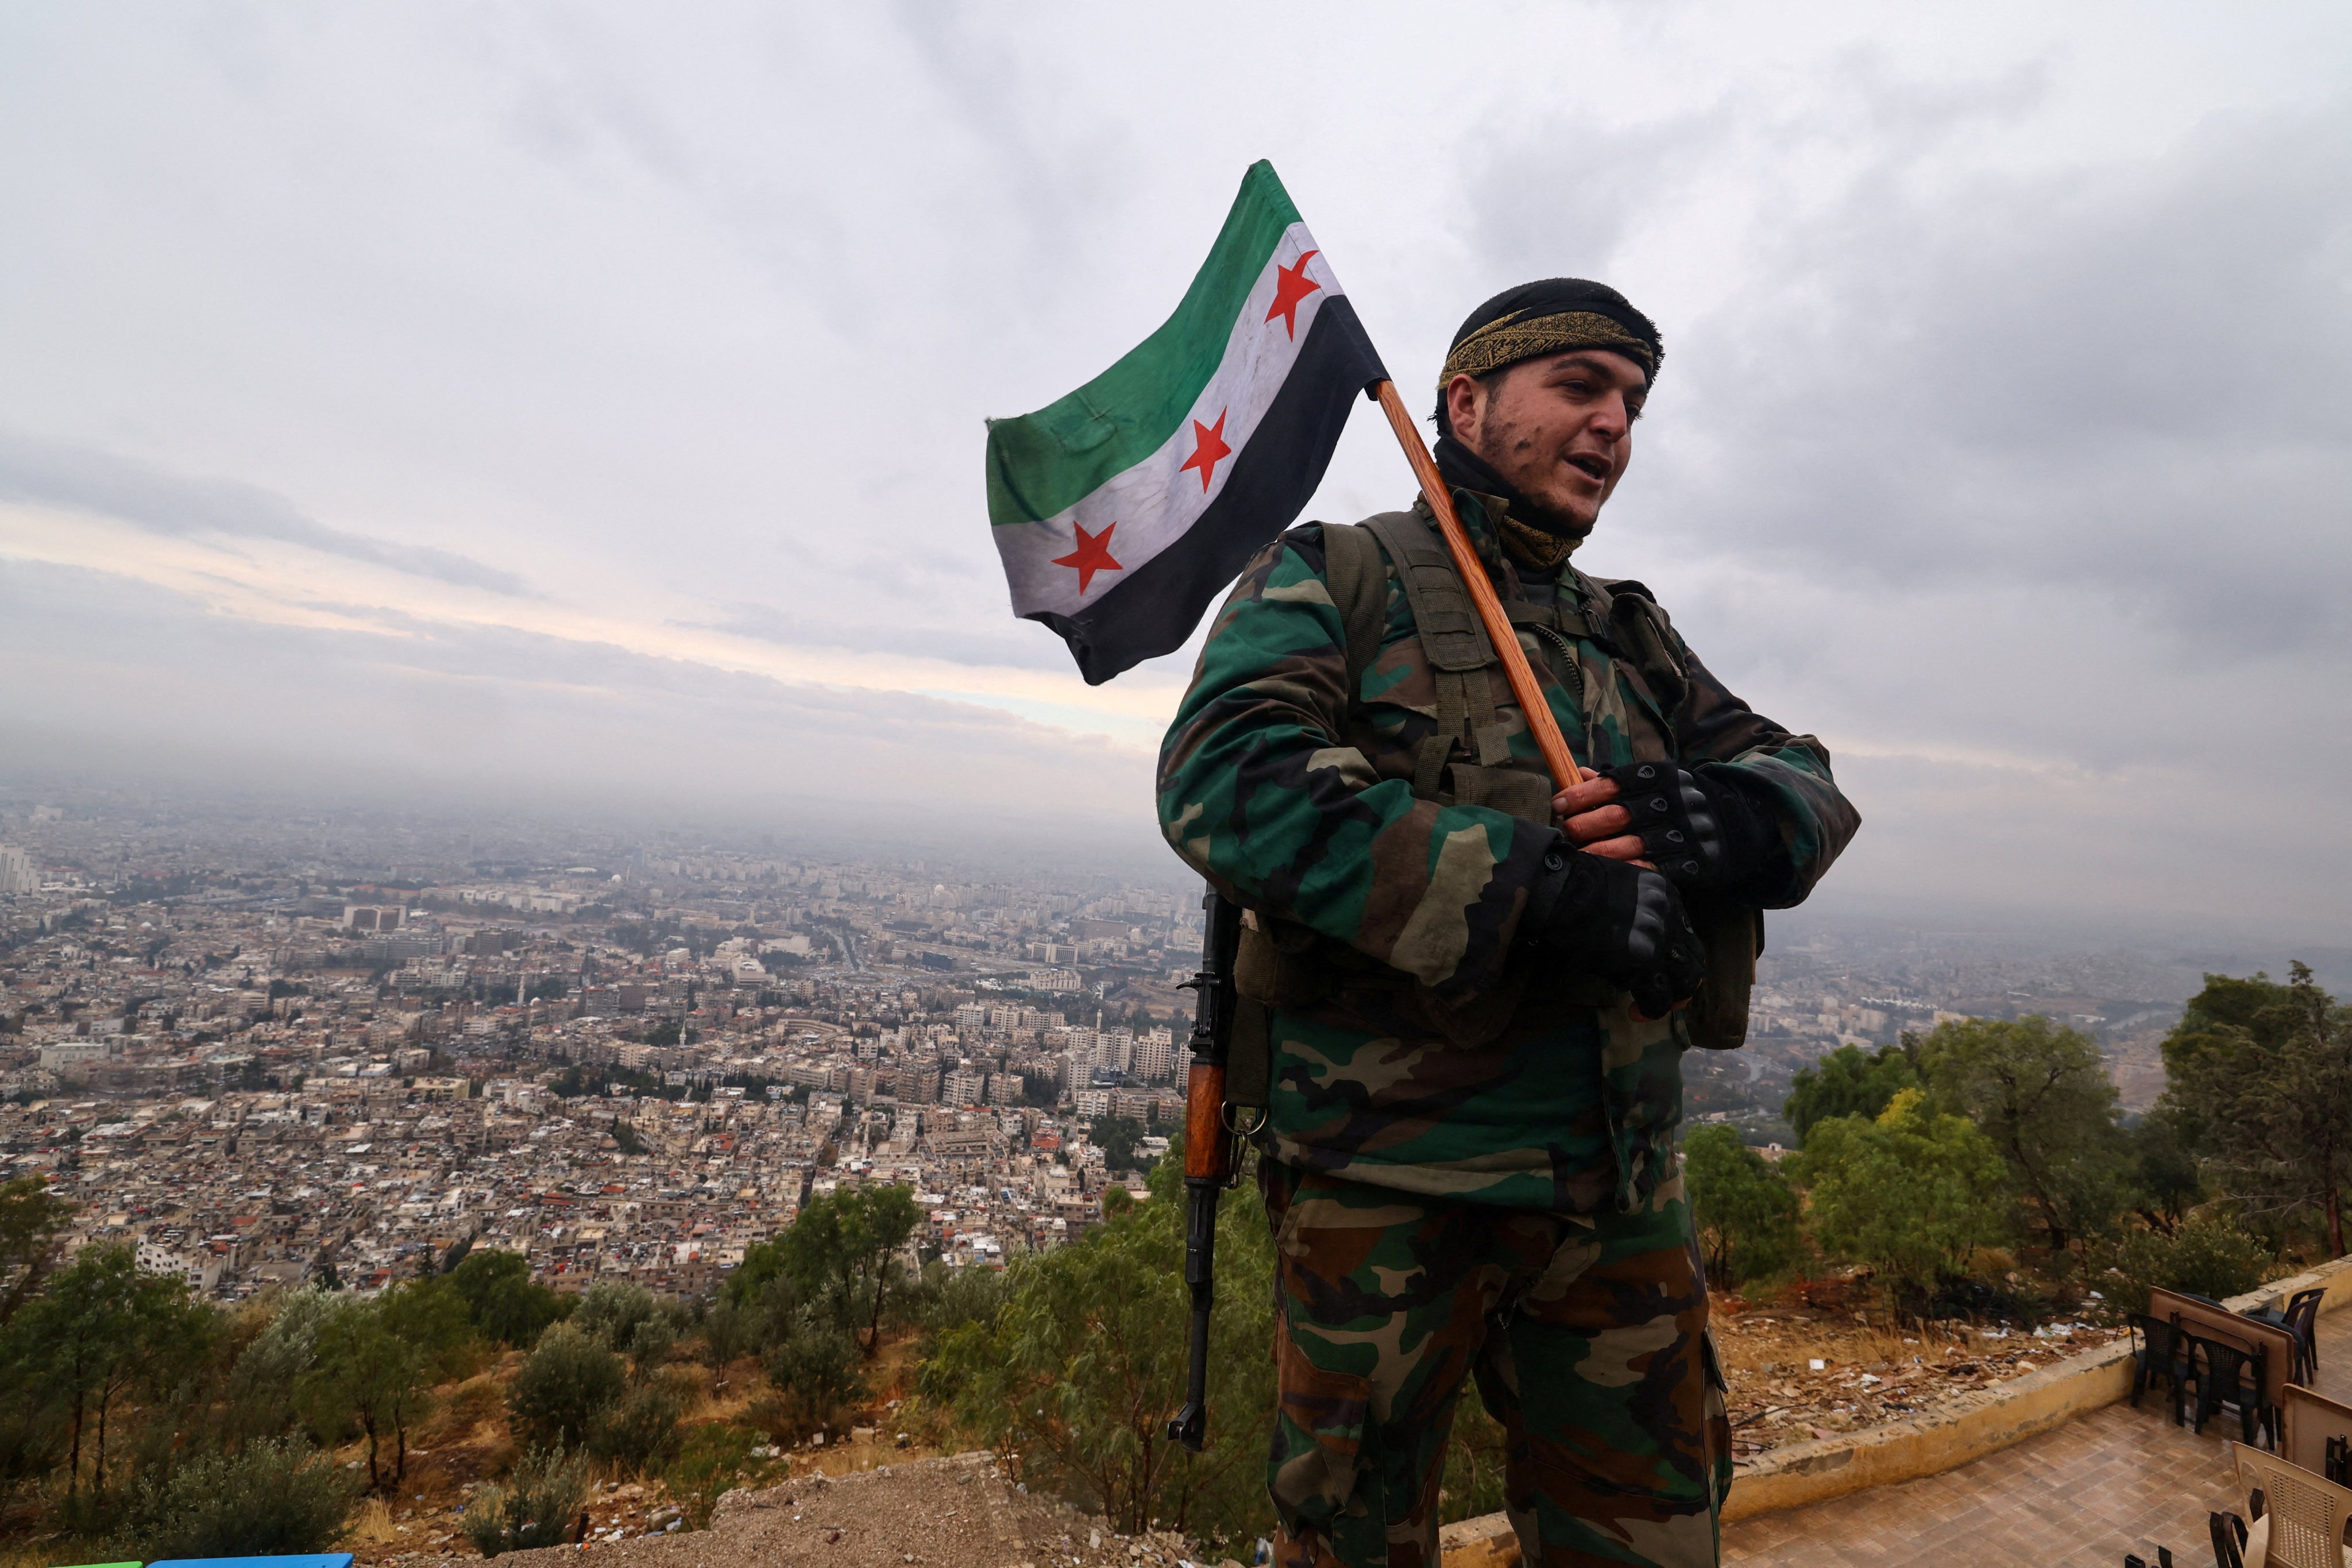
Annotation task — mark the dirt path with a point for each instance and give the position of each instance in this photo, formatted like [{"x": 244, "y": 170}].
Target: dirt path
[{"x": 961, "y": 1511}]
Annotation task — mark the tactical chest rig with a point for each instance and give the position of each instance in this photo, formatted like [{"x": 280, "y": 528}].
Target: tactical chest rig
[{"x": 1464, "y": 761}]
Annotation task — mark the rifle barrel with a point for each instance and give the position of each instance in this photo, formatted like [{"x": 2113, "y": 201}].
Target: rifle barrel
[{"x": 1210, "y": 1152}]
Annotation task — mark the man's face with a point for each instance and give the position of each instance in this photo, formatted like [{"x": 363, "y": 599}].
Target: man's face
[{"x": 1560, "y": 430}]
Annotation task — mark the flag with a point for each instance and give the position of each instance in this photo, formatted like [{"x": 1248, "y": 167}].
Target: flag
[{"x": 1122, "y": 510}]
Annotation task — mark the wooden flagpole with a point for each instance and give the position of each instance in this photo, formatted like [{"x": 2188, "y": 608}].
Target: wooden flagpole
[{"x": 1524, "y": 685}]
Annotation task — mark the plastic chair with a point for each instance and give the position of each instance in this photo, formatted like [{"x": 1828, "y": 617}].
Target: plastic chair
[
  {"x": 2302, "y": 1315},
  {"x": 2157, "y": 1353},
  {"x": 2304, "y": 1515},
  {"x": 2299, "y": 1317},
  {"x": 2230, "y": 1538},
  {"x": 2227, "y": 1374}
]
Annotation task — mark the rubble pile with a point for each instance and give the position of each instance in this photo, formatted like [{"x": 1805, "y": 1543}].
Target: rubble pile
[{"x": 1794, "y": 1379}]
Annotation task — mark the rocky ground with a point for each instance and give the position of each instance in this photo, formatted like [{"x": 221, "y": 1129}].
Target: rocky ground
[{"x": 961, "y": 1511}]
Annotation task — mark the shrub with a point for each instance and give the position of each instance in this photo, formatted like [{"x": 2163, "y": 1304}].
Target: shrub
[
  {"x": 1742, "y": 1204},
  {"x": 950, "y": 1297},
  {"x": 536, "y": 1507},
  {"x": 816, "y": 1372},
  {"x": 270, "y": 1499},
  {"x": 611, "y": 1311},
  {"x": 262, "y": 1382},
  {"x": 567, "y": 1384},
  {"x": 713, "y": 1459},
  {"x": 1477, "y": 1452},
  {"x": 504, "y": 1301},
  {"x": 2209, "y": 1255},
  {"x": 651, "y": 1344},
  {"x": 640, "y": 1433},
  {"x": 1083, "y": 1364}
]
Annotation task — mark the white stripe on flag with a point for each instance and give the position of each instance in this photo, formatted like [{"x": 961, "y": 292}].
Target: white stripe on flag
[{"x": 1157, "y": 500}]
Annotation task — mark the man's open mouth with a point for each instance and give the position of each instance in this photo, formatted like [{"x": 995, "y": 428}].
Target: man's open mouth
[{"x": 1596, "y": 466}]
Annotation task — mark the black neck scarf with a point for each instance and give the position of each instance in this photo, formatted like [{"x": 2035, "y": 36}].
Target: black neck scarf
[{"x": 1528, "y": 534}]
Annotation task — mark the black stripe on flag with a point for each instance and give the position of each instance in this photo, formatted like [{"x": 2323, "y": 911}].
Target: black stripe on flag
[{"x": 1155, "y": 608}]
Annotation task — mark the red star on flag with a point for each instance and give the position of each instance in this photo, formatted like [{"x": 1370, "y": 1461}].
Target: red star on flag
[
  {"x": 1291, "y": 285},
  {"x": 1209, "y": 447},
  {"x": 1092, "y": 555}
]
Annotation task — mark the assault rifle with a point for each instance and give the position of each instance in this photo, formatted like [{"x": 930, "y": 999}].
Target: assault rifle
[{"x": 1211, "y": 1162}]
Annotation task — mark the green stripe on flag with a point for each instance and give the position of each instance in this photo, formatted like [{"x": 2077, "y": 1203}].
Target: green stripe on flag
[{"x": 1042, "y": 463}]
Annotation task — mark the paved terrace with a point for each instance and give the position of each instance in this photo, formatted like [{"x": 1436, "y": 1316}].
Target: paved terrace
[{"x": 2111, "y": 1481}]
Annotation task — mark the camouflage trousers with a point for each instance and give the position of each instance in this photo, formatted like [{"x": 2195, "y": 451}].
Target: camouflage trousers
[{"x": 1587, "y": 1337}]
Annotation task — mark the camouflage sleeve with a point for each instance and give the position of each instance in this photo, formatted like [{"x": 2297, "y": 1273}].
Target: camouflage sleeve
[
  {"x": 1715, "y": 732},
  {"x": 1260, "y": 792}
]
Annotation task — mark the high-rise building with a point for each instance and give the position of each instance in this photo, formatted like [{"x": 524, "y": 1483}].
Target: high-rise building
[
  {"x": 17, "y": 872},
  {"x": 1155, "y": 1056}
]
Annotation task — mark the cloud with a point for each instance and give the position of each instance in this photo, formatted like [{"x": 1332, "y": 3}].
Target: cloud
[
  {"x": 2126, "y": 380},
  {"x": 44, "y": 474},
  {"x": 1999, "y": 441},
  {"x": 2019, "y": 482},
  {"x": 98, "y": 656},
  {"x": 1011, "y": 643}
]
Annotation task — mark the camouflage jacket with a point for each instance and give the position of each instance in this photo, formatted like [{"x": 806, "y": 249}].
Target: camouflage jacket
[{"x": 1423, "y": 1057}]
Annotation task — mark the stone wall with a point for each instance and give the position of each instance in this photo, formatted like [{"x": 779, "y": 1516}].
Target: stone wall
[{"x": 1968, "y": 1428}]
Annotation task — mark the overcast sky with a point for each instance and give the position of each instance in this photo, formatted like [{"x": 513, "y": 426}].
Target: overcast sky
[{"x": 588, "y": 397}]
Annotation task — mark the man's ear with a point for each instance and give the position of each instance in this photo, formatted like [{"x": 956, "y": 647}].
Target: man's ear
[{"x": 1466, "y": 401}]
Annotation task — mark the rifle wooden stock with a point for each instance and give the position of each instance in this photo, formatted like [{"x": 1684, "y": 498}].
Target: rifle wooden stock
[{"x": 1208, "y": 1146}]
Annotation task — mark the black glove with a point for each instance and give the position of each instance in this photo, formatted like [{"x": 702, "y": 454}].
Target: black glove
[
  {"x": 1698, "y": 830},
  {"x": 1618, "y": 921}
]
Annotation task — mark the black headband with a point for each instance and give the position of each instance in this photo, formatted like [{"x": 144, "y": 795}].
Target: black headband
[{"x": 1551, "y": 317}]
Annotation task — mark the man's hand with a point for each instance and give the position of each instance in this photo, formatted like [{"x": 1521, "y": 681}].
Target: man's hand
[
  {"x": 1698, "y": 829},
  {"x": 1593, "y": 823},
  {"x": 1625, "y": 923}
]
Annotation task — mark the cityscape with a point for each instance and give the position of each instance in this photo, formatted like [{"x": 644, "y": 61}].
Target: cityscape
[{"x": 268, "y": 1049}]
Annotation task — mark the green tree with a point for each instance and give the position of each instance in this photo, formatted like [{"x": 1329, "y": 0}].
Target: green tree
[
  {"x": 1117, "y": 1137},
  {"x": 365, "y": 1375},
  {"x": 31, "y": 1217},
  {"x": 1083, "y": 1362},
  {"x": 1909, "y": 1193},
  {"x": 100, "y": 1329},
  {"x": 2167, "y": 1178},
  {"x": 568, "y": 1382},
  {"x": 1743, "y": 1206},
  {"x": 262, "y": 1396},
  {"x": 1847, "y": 1083},
  {"x": 842, "y": 1250},
  {"x": 504, "y": 1301},
  {"x": 2259, "y": 1076},
  {"x": 432, "y": 1318},
  {"x": 2041, "y": 1092}
]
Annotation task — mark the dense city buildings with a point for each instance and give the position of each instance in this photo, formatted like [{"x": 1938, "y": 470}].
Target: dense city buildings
[{"x": 261, "y": 1047}]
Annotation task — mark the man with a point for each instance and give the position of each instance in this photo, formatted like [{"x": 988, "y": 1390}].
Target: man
[{"x": 1473, "y": 988}]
